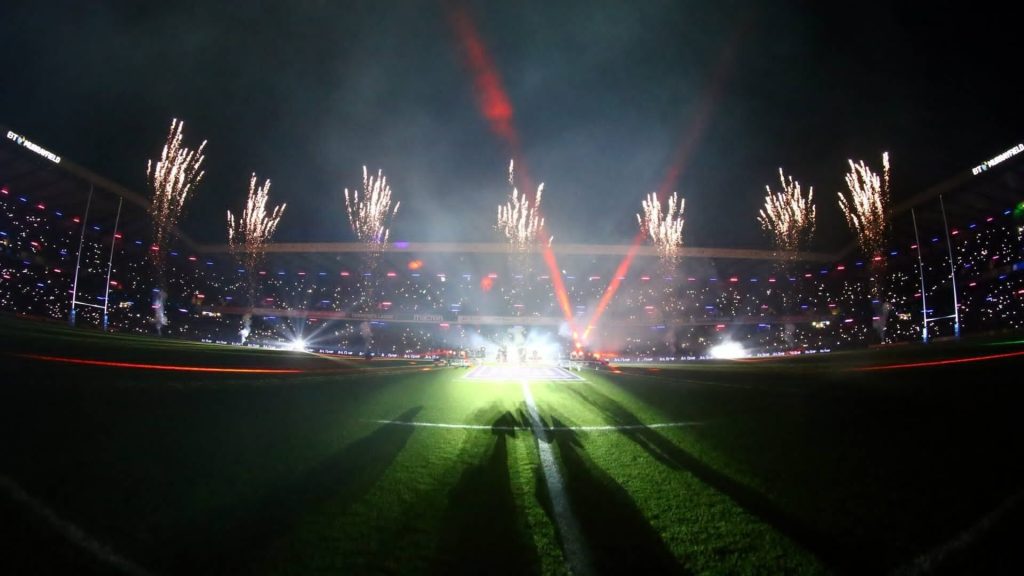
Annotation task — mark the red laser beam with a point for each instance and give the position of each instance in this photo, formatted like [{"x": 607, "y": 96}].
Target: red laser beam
[
  {"x": 167, "y": 367},
  {"x": 490, "y": 94},
  {"x": 939, "y": 362},
  {"x": 496, "y": 107},
  {"x": 559, "y": 286},
  {"x": 613, "y": 286},
  {"x": 680, "y": 159}
]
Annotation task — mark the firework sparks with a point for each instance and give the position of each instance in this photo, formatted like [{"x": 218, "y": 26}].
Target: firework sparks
[
  {"x": 788, "y": 216},
  {"x": 173, "y": 177},
  {"x": 519, "y": 219},
  {"x": 248, "y": 236},
  {"x": 665, "y": 229},
  {"x": 867, "y": 205},
  {"x": 369, "y": 216}
]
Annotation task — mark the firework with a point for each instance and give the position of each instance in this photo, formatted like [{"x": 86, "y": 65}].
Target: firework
[
  {"x": 867, "y": 205},
  {"x": 519, "y": 219},
  {"x": 248, "y": 236},
  {"x": 788, "y": 216},
  {"x": 369, "y": 215},
  {"x": 665, "y": 229},
  {"x": 173, "y": 177}
]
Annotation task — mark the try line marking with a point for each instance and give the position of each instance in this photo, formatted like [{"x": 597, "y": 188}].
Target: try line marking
[
  {"x": 519, "y": 373},
  {"x": 607, "y": 428}
]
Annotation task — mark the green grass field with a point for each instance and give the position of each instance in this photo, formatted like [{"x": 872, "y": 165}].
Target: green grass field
[{"x": 799, "y": 465}]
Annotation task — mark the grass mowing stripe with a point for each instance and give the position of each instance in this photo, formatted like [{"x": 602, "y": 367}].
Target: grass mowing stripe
[
  {"x": 69, "y": 531},
  {"x": 568, "y": 527}
]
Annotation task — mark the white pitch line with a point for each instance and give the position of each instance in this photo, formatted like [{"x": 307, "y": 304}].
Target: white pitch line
[
  {"x": 607, "y": 428},
  {"x": 624, "y": 427},
  {"x": 568, "y": 526},
  {"x": 69, "y": 531},
  {"x": 451, "y": 426},
  {"x": 932, "y": 560}
]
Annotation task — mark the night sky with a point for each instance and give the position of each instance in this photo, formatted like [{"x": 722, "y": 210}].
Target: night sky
[{"x": 608, "y": 101}]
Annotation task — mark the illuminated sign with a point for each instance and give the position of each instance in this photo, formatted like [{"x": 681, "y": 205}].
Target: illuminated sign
[
  {"x": 1004, "y": 156},
  {"x": 26, "y": 143}
]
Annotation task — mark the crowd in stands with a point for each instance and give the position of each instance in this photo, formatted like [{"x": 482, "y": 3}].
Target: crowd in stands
[{"x": 406, "y": 303}]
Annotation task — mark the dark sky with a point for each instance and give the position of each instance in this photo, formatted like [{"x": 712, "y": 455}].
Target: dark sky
[{"x": 604, "y": 95}]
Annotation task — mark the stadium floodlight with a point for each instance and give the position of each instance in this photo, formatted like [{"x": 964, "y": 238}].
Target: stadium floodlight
[
  {"x": 728, "y": 350},
  {"x": 297, "y": 345}
]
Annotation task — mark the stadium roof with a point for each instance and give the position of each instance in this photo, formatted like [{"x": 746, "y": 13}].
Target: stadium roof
[
  {"x": 31, "y": 169},
  {"x": 989, "y": 188}
]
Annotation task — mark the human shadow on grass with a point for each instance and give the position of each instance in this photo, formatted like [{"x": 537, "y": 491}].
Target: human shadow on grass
[
  {"x": 618, "y": 538},
  {"x": 482, "y": 530},
  {"x": 237, "y": 538},
  {"x": 834, "y": 554}
]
